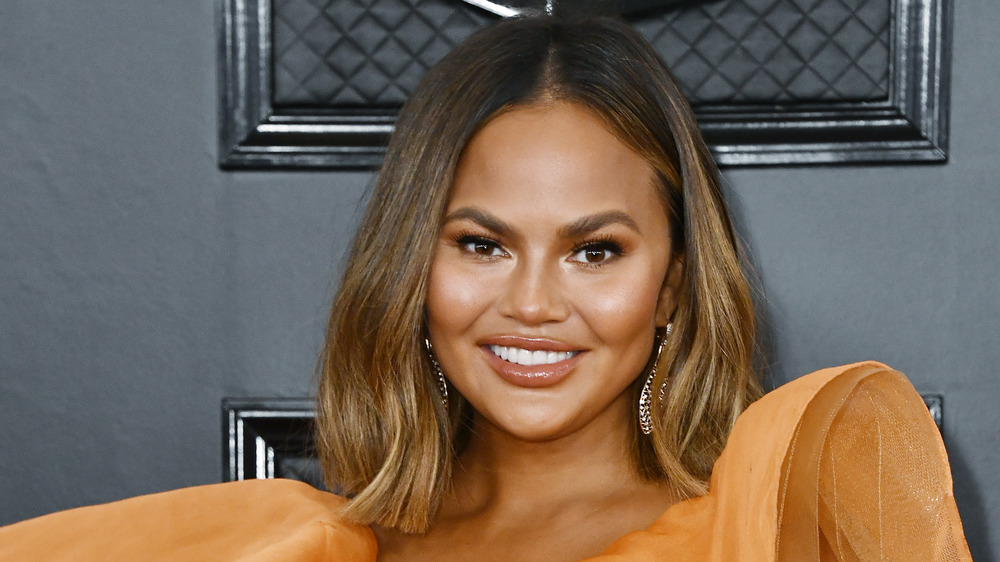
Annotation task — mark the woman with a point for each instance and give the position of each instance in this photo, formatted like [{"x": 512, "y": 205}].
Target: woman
[
  {"x": 555, "y": 132},
  {"x": 541, "y": 346}
]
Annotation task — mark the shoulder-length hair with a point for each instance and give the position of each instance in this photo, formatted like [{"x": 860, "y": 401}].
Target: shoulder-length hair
[{"x": 384, "y": 437}]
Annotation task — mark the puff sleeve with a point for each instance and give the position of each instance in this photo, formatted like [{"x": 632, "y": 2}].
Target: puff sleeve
[
  {"x": 841, "y": 464},
  {"x": 249, "y": 521}
]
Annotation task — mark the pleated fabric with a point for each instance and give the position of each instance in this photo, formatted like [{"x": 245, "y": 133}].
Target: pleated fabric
[{"x": 842, "y": 464}]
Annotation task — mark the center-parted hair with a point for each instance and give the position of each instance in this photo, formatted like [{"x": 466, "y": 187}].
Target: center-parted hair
[{"x": 384, "y": 438}]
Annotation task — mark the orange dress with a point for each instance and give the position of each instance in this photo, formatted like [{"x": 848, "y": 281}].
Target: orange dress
[{"x": 842, "y": 464}]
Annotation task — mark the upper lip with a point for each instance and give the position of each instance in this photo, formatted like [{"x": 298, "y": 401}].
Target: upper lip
[{"x": 529, "y": 343}]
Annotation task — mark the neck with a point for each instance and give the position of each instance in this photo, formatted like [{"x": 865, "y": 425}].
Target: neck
[
  {"x": 564, "y": 498},
  {"x": 499, "y": 471}
]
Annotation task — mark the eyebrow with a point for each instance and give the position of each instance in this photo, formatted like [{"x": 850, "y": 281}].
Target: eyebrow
[
  {"x": 579, "y": 227},
  {"x": 482, "y": 218},
  {"x": 591, "y": 223}
]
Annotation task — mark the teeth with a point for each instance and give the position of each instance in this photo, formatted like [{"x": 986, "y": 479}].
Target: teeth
[
  {"x": 523, "y": 357},
  {"x": 530, "y": 358}
]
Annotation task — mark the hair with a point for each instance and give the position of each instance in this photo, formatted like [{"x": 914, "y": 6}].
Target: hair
[{"x": 383, "y": 436}]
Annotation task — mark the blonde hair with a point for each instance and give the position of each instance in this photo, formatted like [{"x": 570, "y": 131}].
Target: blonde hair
[{"x": 383, "y": 436}]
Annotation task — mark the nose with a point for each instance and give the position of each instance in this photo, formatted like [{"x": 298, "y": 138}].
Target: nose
[{"x": 534, "y": 293}]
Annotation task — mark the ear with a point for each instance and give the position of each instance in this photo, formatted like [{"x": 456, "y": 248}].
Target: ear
[{"x": 670, "y": 292}]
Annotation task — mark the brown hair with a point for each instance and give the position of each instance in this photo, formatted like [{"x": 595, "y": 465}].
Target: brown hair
[{"x": 383, "y": 436}]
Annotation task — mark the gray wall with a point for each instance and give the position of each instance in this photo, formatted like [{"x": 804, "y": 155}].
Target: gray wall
[{"x": 139, "y": 284}]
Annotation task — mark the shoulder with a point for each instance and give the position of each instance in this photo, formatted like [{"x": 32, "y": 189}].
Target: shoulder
[{"x": 273, "y": 519}]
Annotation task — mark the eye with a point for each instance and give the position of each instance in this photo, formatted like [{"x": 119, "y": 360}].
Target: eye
[
  {"x": 480, "y": 246},
  {"x": 596, "y": 253}
]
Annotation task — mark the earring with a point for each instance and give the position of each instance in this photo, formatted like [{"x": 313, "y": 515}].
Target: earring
[
  {"x": 442, "y": 385},
  {"x": 646, "y": 397}
]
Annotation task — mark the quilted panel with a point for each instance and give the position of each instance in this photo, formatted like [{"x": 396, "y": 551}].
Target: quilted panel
[
  {"x": 369, "y": 54},
  {"x": 776, "y": 51}
]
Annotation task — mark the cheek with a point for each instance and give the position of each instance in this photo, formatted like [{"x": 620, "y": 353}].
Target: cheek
[
  {"x": 454, "y": 298},
  {"x": 622, "y": 308}
]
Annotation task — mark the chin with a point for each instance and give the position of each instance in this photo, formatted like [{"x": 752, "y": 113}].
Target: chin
[{"x": 535, "y": 426}]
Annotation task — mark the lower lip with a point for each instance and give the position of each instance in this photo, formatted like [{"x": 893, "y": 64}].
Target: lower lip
[{"x": 535, "y": 376}]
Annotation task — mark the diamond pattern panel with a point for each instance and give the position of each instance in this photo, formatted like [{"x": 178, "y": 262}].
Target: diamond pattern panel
[
  {"x": 348, "y": 54},
  {"x": 369, "y": 54},
  {"x": 776, "y": 51}
]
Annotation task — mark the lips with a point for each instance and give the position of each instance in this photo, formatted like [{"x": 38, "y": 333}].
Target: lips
[{"x": 531, "y": 362}]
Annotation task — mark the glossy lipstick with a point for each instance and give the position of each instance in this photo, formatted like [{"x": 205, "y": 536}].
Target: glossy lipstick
[{"x": 565, "y": 356}]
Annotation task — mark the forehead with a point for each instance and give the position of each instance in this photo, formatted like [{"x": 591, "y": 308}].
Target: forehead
[{"x": 557, "y": 156}]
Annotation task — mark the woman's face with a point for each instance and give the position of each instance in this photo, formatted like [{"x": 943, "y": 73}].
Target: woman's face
[{"x": 551, "y": 273}]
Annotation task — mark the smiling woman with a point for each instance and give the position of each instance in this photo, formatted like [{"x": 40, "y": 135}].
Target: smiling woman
[
  {"x": 541, "y": 349},
  {"x": 539, "y": 196},
  {"x": 546, "y": 215},
  {"x": 551, "y": 276}
]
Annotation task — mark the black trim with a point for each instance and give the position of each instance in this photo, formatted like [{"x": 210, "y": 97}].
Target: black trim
[{"x": 269, "y": 438}]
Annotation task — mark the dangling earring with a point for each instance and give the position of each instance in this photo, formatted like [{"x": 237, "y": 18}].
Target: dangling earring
[
  {"x": 442, "y": 385},
  {"x": 646, "y": 397}
]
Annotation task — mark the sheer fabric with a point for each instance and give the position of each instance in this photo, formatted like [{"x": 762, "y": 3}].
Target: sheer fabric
[
  {"x": 868, "y": 480},
  {"x": 842, "y": 464},
  {"x": 250, "y": 521}
]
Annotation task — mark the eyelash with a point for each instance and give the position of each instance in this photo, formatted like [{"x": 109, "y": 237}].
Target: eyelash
[
  {"x": 465, "y": 238},
  {"x": 600, "y": 243},
  {"x": 605, "y": 243}
]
